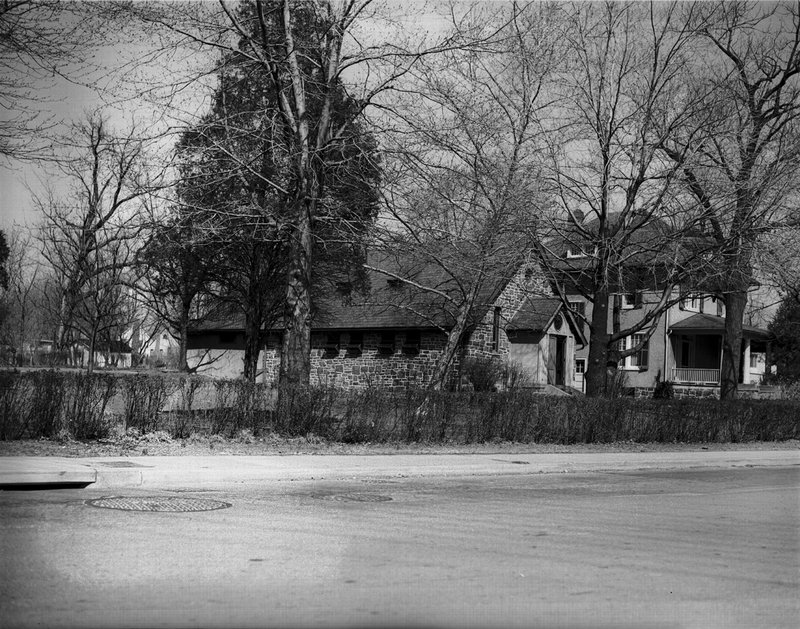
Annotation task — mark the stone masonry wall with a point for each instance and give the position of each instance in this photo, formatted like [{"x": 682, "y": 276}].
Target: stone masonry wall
[{"x": 368, "y": 368}]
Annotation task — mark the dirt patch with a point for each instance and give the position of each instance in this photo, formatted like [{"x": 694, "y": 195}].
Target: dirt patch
[{"x": 160, "y": 444}]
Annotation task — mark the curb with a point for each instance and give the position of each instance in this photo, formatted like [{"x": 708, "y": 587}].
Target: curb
[{"x": 203, "y": 471}]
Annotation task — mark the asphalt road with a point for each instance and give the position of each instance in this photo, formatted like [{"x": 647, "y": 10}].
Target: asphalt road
[{"x": 690, "y": 548}]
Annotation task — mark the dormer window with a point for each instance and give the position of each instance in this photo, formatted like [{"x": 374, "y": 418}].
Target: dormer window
[
  {"x": 579, "y": 253},
  {"x": 345, "y": 288}
]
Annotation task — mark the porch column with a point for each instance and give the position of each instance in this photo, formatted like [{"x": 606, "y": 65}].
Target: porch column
[{"x": 746, "y": 365}]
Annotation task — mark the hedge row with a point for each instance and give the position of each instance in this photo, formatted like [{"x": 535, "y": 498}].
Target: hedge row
[{"x": 57, "y": 404}]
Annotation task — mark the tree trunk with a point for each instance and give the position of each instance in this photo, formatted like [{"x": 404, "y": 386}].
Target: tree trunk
[
  {"x": 596, "y": 376},
  {"x": 295, "y": 368},
  {"x": 183, "y": 337},
  {"x": 735, "y": 303},
  {"x": 90, "y": 363},
  {"x": 252, "y": 345}
]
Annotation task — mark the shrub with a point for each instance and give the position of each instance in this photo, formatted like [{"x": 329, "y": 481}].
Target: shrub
[
  {"x": 86, "y": 398},
  {"x": 482, "y": 372},
  {"x": 664, "y": 390},
  {"x": 51, "y": 404},
  {"x": 305, "y": 410},
  {"x": 13, "y": 401},
  {"x": 144, "y": 397}
]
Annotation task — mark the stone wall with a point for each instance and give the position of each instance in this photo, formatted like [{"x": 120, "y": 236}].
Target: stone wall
[{"x": 370, "y": 366}]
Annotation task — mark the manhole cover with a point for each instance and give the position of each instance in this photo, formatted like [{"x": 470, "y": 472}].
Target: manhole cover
[
  {"x": 158, "y": 503},
  {"x": 355, "y": 497}
]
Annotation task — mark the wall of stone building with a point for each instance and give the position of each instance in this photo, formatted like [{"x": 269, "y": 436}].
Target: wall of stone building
[
  {"x": 525, "y": 284},
  {"x": 344, "y": 368}
]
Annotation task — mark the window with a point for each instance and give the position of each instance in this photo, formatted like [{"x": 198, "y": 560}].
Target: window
[
  {"x": 355, "y": 343},
  {"x": 628, "y": 301},
  {"x": 411, "y": 343},
  {"x": 496, "y": 329},
  {"x": 692, "y": 302},
  {"x": 386, "y": 345},
  {"x": 578, "y": 307},
  {"x": 640, "y": 358},
  {"x": 577, "y": 252},
  {"x": 331, "y": 346},
  {"x": 580, "y": 366}
]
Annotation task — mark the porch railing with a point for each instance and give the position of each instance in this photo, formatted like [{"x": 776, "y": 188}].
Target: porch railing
[{"x": 695, "y": 376}]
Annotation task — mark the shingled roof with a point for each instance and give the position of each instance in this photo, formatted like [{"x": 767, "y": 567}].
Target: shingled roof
[
  {"x": 538, "y": 313},
  {"x": 403, "y": 293},
  {"x": 710, "y": 324}
]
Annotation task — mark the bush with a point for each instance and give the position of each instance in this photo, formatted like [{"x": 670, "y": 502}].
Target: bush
[
  {"x": 664, "y": 390},
  {"x": 482, "y": 372},
  {"x": 75, "y": 405},
  {"x": 144, "y": 398},
  {"x": 85, "y": 401}
]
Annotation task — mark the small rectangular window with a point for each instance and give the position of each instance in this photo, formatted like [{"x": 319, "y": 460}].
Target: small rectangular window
[
  {"x": 386, "y": 344},
  {"x": 412, "y": 342},
  {"x": 578, "y": 307},
  {"x": 331, "y": 346},
  {"x": 355, "y": 343},
  {"x": 629, "y": 301}
]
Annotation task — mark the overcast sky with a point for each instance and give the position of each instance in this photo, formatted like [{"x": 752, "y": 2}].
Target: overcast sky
[{"x": 65, "y": 102}]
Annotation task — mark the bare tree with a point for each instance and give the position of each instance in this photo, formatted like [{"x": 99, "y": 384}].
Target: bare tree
[
  {"x": 618, "y": 225},
  {"x": 739, "y": 159},
  {"x": 173, "y": 271},
  {"x": 39, "y": 40},
  {"x": 322, "y": 70},
  {"x": 87, "y": 236},
  {"x": 462, "y": 189},
  {"x": 18, "y": 312}
]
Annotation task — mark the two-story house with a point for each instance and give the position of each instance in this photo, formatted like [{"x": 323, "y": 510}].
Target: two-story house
[
  {"x": 685, "y": 346},
  {"x": 684, "y": 343}
]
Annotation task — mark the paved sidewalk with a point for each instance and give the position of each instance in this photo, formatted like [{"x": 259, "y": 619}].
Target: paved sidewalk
[{"x": 204, "y": 471}]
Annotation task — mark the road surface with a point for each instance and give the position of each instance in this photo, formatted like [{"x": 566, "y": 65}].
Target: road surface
[{"x": 688, "y": 548}]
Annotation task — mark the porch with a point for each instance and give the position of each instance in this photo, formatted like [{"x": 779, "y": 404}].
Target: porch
[{"x": 696, "y": 347}]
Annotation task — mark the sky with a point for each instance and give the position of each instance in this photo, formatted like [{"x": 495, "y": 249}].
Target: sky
[{"x": 113, "y": 69}]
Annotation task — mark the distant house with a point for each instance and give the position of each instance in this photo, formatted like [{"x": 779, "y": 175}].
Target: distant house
[
  {"x": 392, "y": 336},
  {"x": 107, "y": 354}
]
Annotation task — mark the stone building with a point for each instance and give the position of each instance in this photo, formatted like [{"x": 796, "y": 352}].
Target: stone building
[{"x": 392, "y": 335}]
